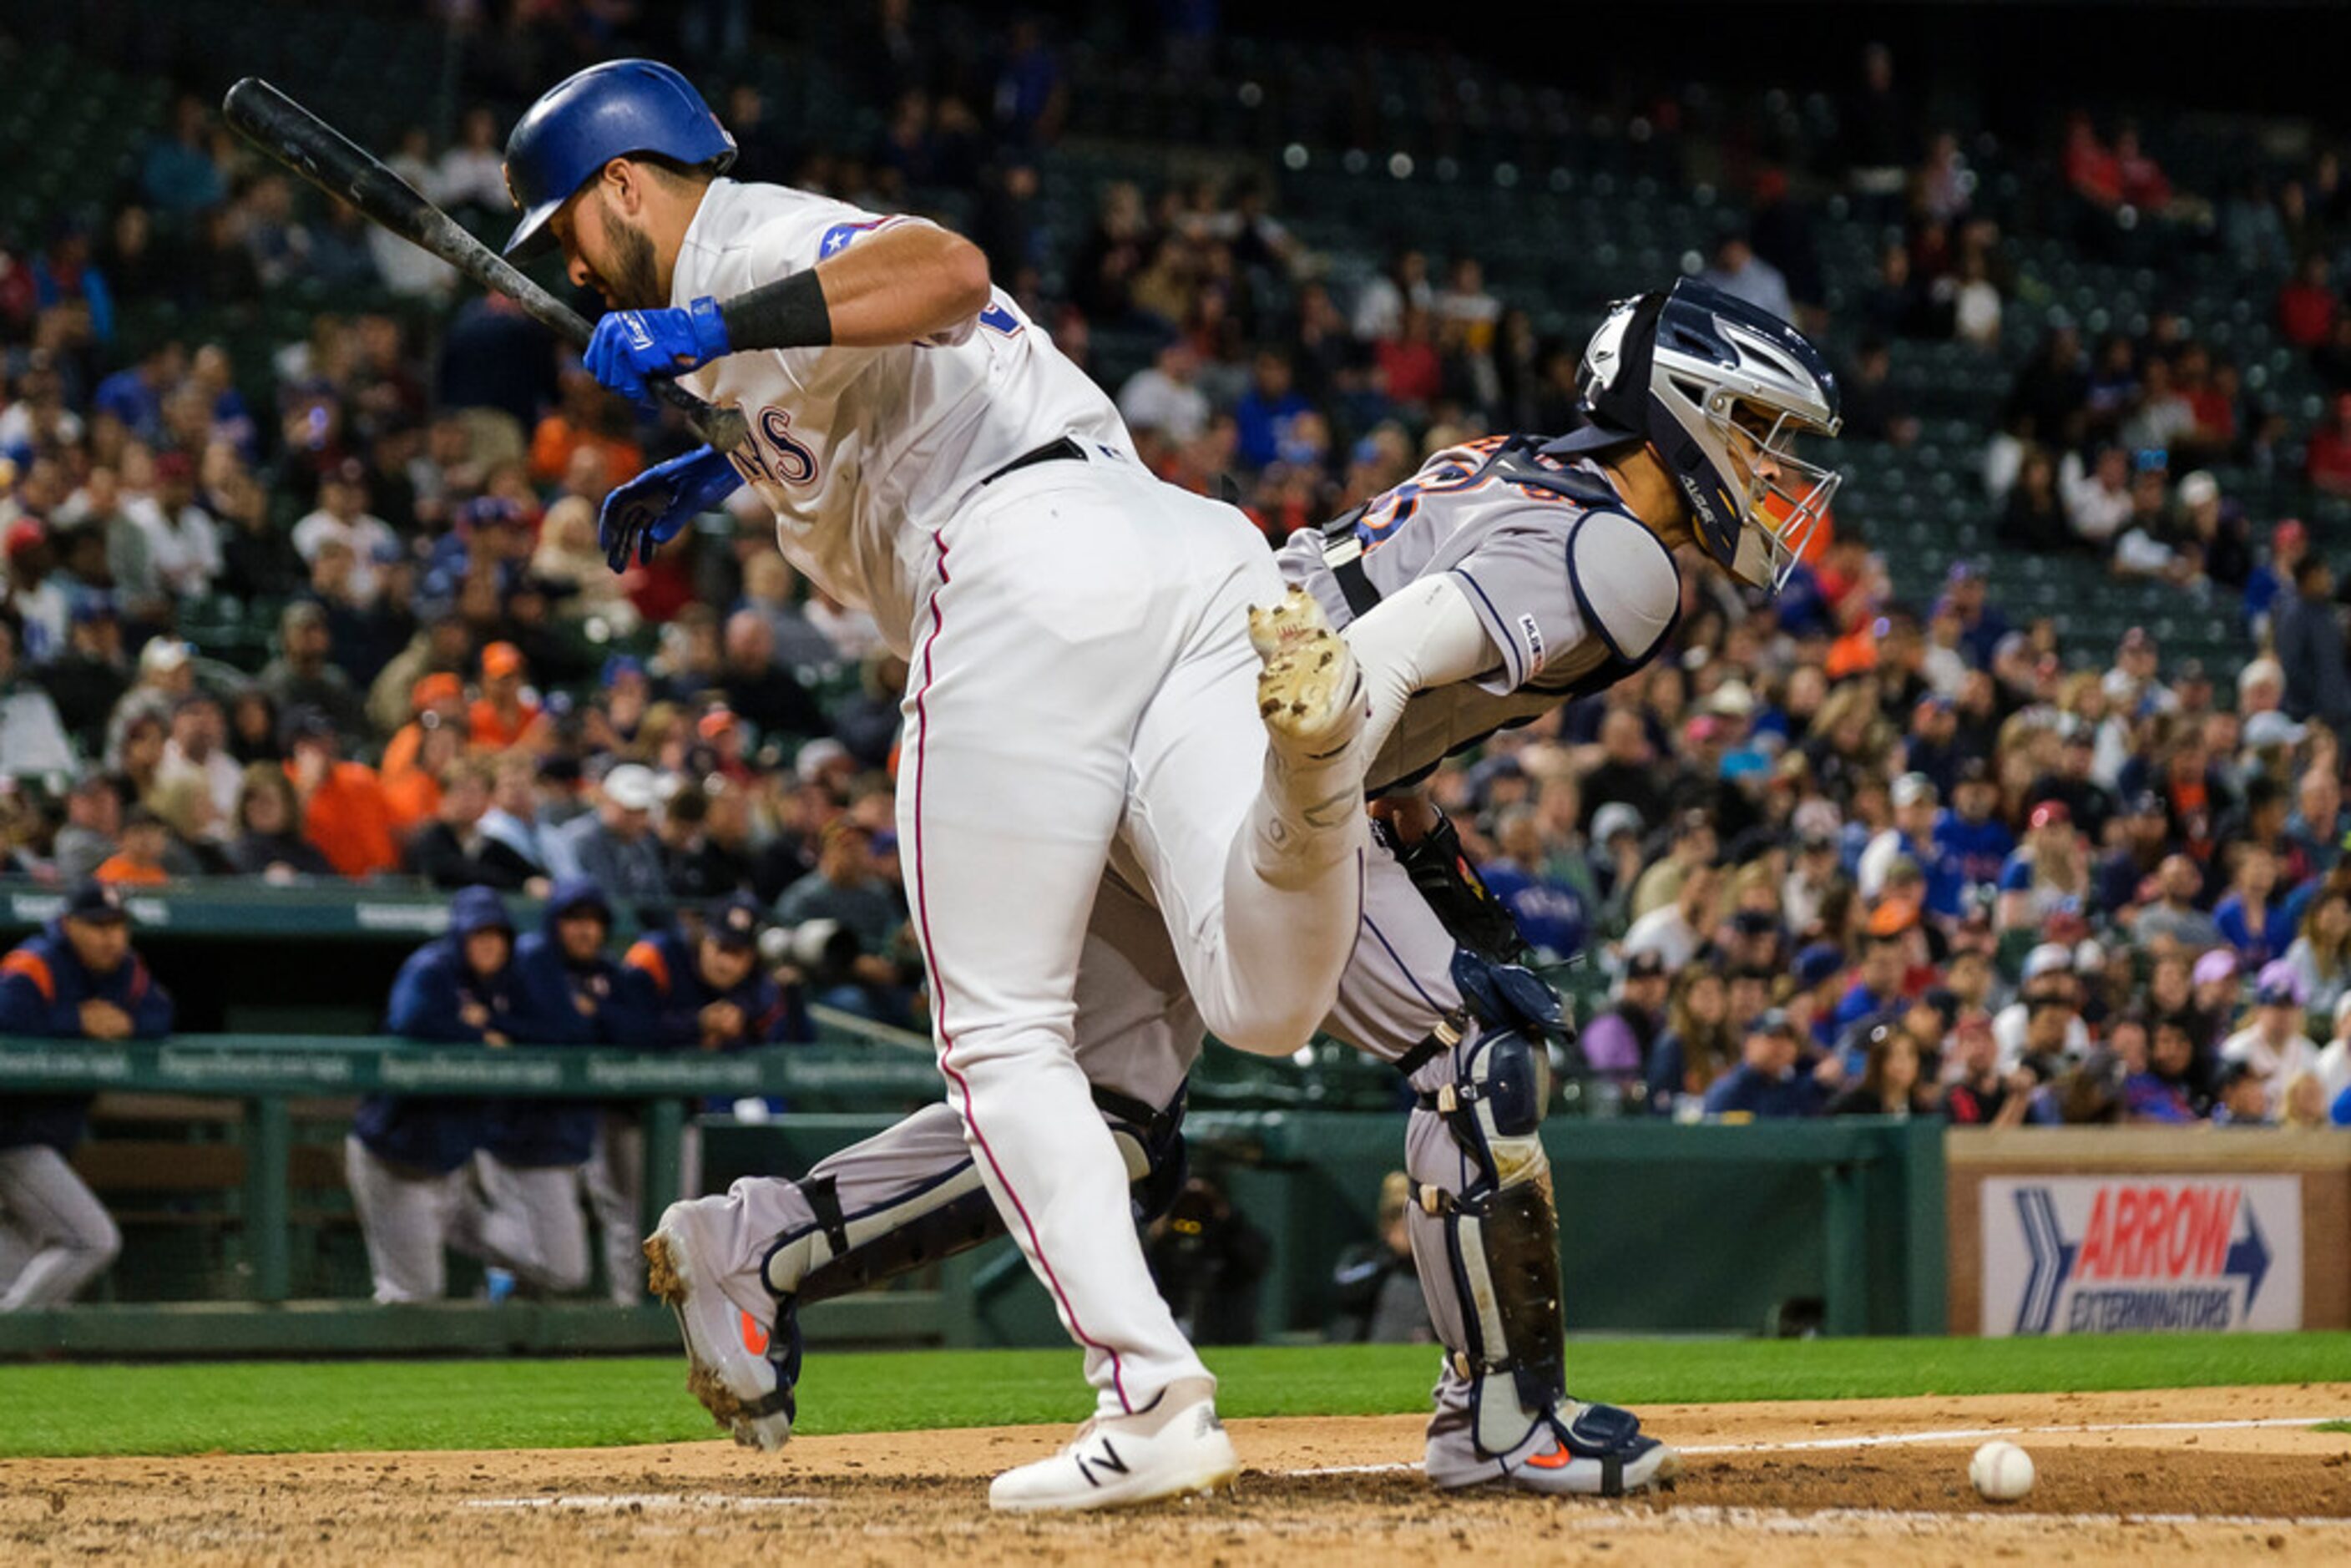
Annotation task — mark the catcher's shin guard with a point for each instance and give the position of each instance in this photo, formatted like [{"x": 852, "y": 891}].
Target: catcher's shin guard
[{"x": 1486, "y": 1235}]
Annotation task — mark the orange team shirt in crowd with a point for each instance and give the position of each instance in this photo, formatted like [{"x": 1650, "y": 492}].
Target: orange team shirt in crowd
[
  {"x": 122, "y": 868},
  {"x": 489, "y": 728},
  {"x": 350, "y": 821},
  {"x": 412, "y": 797},
  {"x": 557, "y": 438}
]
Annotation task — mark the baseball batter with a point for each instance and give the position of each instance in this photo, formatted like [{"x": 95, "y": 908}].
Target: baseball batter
[
  {"x": 1507, "y": 576},
  {"x": 1093, "y": 652}
]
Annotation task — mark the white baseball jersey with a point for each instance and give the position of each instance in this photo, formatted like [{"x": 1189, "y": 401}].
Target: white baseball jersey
[{"x": 860, "y": 451}]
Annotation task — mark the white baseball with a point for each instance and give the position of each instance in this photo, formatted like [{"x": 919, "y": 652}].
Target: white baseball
[{"x": 2001, "y": 1471}]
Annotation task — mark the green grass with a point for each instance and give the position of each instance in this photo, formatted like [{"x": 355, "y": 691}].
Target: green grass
[
  {"x": 307, "y": 1407},
  {"x": 2333, "y": 1427}
]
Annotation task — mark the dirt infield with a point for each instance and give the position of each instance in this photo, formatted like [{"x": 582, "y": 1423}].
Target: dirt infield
[{"x": 2221, "y": 1474}]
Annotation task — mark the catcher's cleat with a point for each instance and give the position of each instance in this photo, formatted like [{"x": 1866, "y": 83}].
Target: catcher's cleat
[
  {"x": 1598, "y": 1450},
  {"x": 1174, "y": 1448},
  {"x": 748, "y": 1395}
]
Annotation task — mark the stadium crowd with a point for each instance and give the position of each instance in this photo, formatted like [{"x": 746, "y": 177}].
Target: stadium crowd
[{"x": 1838, "y": 851}]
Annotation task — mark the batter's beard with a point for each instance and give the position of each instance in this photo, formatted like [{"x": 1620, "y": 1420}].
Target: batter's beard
[{"x": 633, "y": 284}]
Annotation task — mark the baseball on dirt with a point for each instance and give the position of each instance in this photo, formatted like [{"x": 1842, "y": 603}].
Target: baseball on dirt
[{"x": 2001, "y": 1471}]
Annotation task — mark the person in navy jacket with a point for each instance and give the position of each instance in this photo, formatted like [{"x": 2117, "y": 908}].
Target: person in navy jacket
[
  {"x": 568, "y": 991},
  {"x": 707, "y": 993},
  {"x": 77, "y": 979},
  {"x": 406, "y": 1157},
  {"x": 1772, "y": 1080}
]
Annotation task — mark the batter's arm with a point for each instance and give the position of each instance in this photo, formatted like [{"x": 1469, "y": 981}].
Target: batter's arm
[{"x": 901, "y": 284}]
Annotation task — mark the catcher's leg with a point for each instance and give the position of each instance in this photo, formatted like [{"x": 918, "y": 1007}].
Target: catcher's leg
[{"x": 1434, "y": 992}]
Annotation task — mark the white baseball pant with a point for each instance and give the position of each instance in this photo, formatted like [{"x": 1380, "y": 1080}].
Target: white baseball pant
[{"x": 1082, "y": 678}]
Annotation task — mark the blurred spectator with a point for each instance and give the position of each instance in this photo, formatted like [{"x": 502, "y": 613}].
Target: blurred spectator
[
  {"x": 265, "y": 843},
  {"x": 2048, "y": 875},
  {"x": 2168, "y": 1089},
  {"x": 87, "y": 679},
  {"x": 1675, "y": 931},
  {"x": 767, "y": 583},
  {"x": 1377, "y": 1294},
  {"x": 1208, "y": 1261},
  {"x": 2173, "y": 917},
  {"x": 1618, "y": 1042},
  {"x": 1166, "y": 395},
  {"x": 1770, "y": 1082},
  {"x": 757, "y": 689},
  {"x": 77, "y": 978},
  {"x": 507, "y": 713},
  {"x": 176, "y": 174},
  {"x": 32, "y": 734},
  {"x": 1739, "y": 272},
  {"x": 2273, "y": 1044},
  {"x": 2240, "y": 1097},
  {"x": 1977, "y": 1093},
  {"x": 2308, "y": 305},
  {"x": 2032, "y": 519},
  {"x": 568, "y": 991},
  {"x": 613, "y": 846},
  {"x": 1698, "y": 1046},
  {"x": 93, "y": 823},
  {"x": 2334, "y": 1066},
  {"x": 2308, "y": 633},
  {"x": 472, "y": 174},
  {"x": 1267, "y": 410},
  {"x": 344, "y": 811},
  {"x": 1889, "y": 1085},
  {"x": 139, "y": 861},
  {"x": 2328, "y": 466},
  {"x": 449, "y": 849},
  {"x": 406, "y": 1158},
  {"x": 2098, "y": 501},
  {"x": 2249, "y": 918},
  {"x": 303, "y": 675}
]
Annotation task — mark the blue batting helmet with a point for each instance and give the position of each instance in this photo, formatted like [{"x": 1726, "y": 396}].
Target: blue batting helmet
[{"x": 584, "y": 121}]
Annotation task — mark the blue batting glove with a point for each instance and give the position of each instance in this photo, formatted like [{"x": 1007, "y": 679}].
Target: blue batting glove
[
  {"x": 647, "y": 512},
  {"x": 629, "y": 347}
]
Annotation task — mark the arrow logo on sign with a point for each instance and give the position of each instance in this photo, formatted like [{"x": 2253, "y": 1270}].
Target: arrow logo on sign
[
  {"x": 2052, "y": 1259},
  {"x": 2250, "y": 1258}
]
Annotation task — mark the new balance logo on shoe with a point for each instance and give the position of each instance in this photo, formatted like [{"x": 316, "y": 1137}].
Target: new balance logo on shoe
[{"x": 1108, "y": 1459}]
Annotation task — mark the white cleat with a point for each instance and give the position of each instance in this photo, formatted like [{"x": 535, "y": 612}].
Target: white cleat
[
  {"x": 1176, "y": 1447},
  {"x": 1310, "y": 693},
  {"x": 740, "y": 1389}
]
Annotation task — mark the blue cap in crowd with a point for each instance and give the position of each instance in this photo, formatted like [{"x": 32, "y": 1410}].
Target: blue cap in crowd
[
  {"x": 735, "y": 922},
  {"x": 94, "y": 900},
  {"x": 1821, "y": 961}
]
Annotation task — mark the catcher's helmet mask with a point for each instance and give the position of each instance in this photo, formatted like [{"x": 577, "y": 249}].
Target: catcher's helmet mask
[{"x": 1721, "y": 390}]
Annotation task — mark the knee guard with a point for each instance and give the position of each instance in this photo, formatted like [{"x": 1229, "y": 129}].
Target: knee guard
[
  {"x": 1501, "y": 1235},
  {"x": 951, "y": 1213}
]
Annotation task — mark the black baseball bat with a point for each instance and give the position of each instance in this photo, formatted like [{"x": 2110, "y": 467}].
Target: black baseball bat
[{"x": 323, "y": 156}]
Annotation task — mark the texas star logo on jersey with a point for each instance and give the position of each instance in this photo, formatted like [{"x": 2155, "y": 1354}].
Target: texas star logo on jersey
[{"x": 836, "y": 238}]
